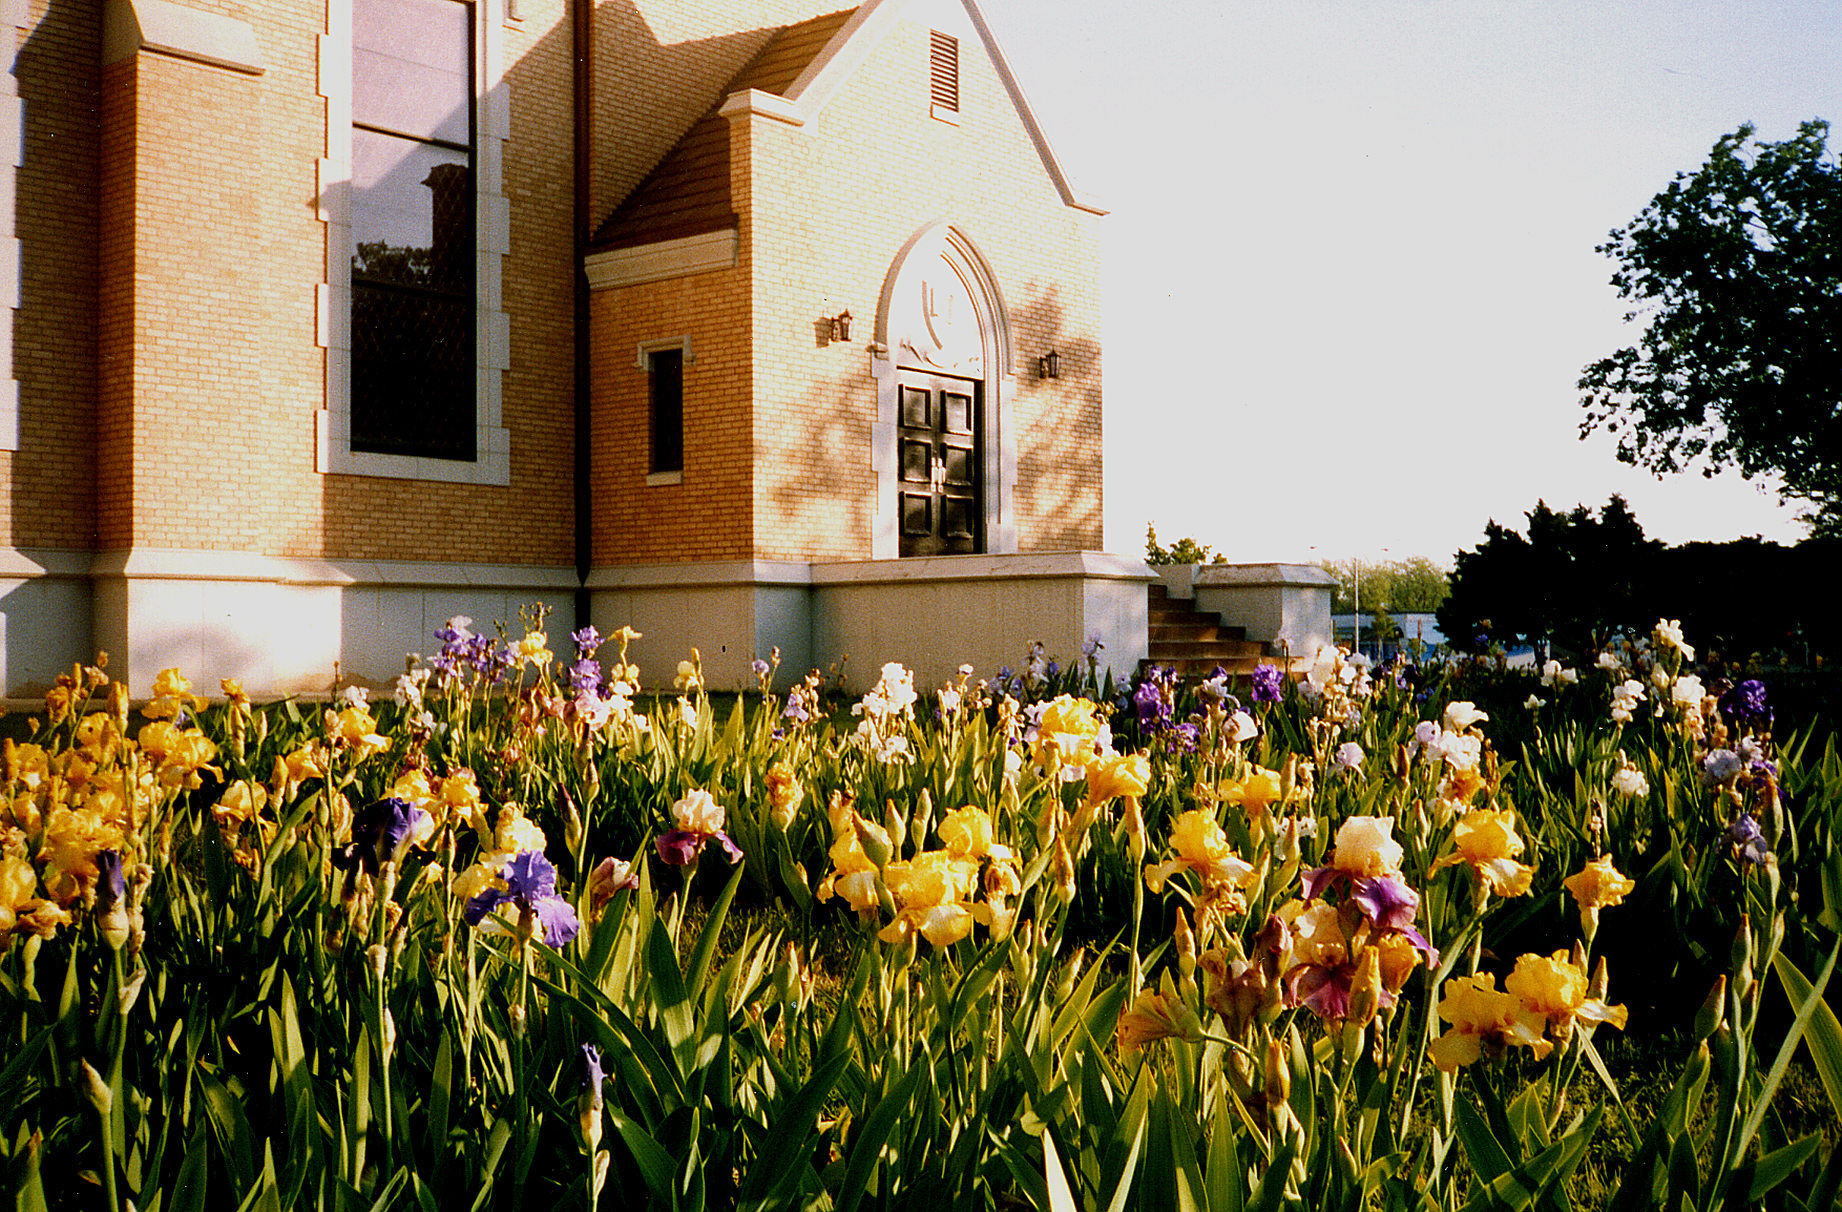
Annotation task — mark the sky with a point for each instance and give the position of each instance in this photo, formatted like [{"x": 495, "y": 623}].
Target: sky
[{"x": 1349, "y": 277}]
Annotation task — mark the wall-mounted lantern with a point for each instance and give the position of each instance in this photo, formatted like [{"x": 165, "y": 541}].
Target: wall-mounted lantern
[
  {"x": 1049, "y": 366},
  {"x": 841, "y": 326}
]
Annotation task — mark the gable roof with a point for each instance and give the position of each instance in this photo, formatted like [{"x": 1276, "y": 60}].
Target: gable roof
[
  {"x": 793, "y": 77},
  {"x": 688, "y": 193}
]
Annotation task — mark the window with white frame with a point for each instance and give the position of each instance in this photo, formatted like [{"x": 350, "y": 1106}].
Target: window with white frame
[
  {"x": 664, "y": 362},
  {"x": 413, "y": 224},
  {"x": 417, "y": 226}
]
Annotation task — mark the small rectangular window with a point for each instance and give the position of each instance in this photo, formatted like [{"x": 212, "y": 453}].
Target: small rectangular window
[
  {"x": 667, "y": 410},
  {"x": 945, "y": 56}
]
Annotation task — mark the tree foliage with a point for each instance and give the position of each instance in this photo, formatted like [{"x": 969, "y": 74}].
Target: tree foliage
[
  {"x": 1184, "y": 551},
  {"x": 1410, "y": 586},
  {"x": 1571, "y": 582},
  {"x": 1737, "y": 270}
]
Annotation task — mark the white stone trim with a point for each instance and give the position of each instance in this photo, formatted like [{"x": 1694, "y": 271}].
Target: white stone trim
[
  {"x": 31, "y": 562},
  {"x": 844, "y": 54},
  {"x": 12, "y": 157},
  {"x": 765, "y": 104},
  {"x": 642, "y": 356},
  {"x": 1033, "y": 565},
  {"x": 1079, "y": 199},
  {"x": 722, "y": 572},
  {"x": 663, "y": 479},
  {"x": 132, "y": 26},
  {"x": 492, "y": 462},
  {"x": 1259, "y": 576},
  {"x": 182, "y": 564},
  {"x": 680, "y": 258}
]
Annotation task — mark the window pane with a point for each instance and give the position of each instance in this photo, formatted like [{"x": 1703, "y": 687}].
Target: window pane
[
  {"x": 412, "y": 373},
  {"x": 668, "y": 410},
  {"x": 410, "y": 67},
  {"x": 412, "y": 217}
]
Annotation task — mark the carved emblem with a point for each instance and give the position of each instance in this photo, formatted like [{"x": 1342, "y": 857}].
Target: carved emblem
[{"x": 942, "y": 330}]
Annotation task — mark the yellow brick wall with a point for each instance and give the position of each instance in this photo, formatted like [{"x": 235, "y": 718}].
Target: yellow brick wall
[
  {"x": 190, "y": 338},
  {"x": 707, "y": 516},
  {"x": 531, "y": 521},
  {"x": 209, "y": 363},
  {"x": 47, "y": 489},
  {"x": 833, "y": 203}
]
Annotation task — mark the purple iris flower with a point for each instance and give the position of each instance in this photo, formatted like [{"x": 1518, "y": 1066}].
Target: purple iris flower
[
  {"x": 1745, "y": 702},
  {"x": 1148, "y": 701},
  {"x": 111, "y": 881},
  {"x": 381, "y": 832},
  {"x": 488, "y": 657},
  {"x": 1267, "y": 682},
  {"x": 682, "y": 847},
  {"x": 1325, "y": 991},
  {"x": 530, "y": 884},
  {"x": 587, "y": 640},
  {"x": 1745, "y": 834},
  {"x": 1388, "y": 902},
  {"x": 592, "y": 1074},
  {"x": 585, "y": 676},
  {"x": 1721, "y": 766},
  {"x": 1184, "y": 738}
]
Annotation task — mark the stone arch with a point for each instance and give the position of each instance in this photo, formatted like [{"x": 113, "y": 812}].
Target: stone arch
[{"x": 942, "y": 311}]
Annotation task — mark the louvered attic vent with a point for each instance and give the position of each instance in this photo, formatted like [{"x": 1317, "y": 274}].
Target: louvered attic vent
[{"x": 945, "y": 56}]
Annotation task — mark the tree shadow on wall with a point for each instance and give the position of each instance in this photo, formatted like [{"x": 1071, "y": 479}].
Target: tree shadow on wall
[{"x": 1058, "y": 423}]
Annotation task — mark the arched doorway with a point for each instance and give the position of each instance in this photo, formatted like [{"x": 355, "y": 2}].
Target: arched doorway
[{"x": 942, "y": 445}]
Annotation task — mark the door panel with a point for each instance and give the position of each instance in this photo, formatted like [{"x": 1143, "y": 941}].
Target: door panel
[{"x": 941, "y": 493}]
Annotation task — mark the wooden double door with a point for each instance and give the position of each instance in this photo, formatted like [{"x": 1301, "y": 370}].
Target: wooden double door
[{"x": 942, "y": 501}]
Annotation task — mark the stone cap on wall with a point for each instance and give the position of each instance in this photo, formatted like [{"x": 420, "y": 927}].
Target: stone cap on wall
[
  {"x": 1260, "y": 576},
  {"x": 1093, "y": 565}
]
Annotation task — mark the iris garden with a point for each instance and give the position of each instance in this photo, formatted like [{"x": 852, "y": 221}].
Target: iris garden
[{"x": 514, "y": 934}]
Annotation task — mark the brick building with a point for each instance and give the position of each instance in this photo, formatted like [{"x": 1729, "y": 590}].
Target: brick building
[{"x": 752, "y": 323}]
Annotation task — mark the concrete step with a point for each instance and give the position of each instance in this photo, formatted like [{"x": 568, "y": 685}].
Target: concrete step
[
  {"x": 1196, "y": 643},
  {"x": 1202, "y": 650},
  {"x": 1194, "y": 670}
]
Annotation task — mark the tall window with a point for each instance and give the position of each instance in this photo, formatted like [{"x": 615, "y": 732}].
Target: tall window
[
  {"x": 667, "y": 410},
  {"x": 412, "y": 222}
]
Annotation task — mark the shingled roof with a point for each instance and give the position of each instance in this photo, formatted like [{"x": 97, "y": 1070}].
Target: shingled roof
[{"x": 688, "y": 193}]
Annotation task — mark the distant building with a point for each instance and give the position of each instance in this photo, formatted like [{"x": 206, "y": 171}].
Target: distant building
[{"x": 1413, "y": 626}]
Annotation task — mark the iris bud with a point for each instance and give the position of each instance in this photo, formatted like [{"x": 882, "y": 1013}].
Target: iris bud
[
  {"x": 1278, "y": 1074},
  {"x": 874, "y": 841},
  {"x": 100, "y": 1096},
  {"x": 1713, "y": 1010},
  {"x": 1742, "y": 955}
]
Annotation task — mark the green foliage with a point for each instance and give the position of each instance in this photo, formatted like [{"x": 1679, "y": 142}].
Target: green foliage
[
  {"x": 1575, "y": 581},
  {"x": 1413, "y": 585},
  {"x": 1734, "y": 272},
  {"x": 1184, "y": 551},
  {"x": 271, "y": 1022}
]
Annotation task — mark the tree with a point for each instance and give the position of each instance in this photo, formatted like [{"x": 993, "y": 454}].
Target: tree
[
  {"x": 1573, "y": 581},
  {"x": 1184, "y": 551},
  {"x": 1738, "y": 269},
  {"x": 1413, "y": 585}
]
